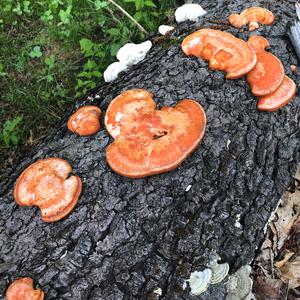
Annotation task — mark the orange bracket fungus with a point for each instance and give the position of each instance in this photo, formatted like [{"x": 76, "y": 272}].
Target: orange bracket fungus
[
  {"x": 46, "y": 184},
  {"x": 280, "y": 97},
  {"x": 85, "y": 121},
  {"x": 150, "y": 141},
  {"x": 223, "y": 50},
  {"x": 22, "y": 289},
  {"x": 268, "y": 73},
  {"x": 252, "y": 16}
]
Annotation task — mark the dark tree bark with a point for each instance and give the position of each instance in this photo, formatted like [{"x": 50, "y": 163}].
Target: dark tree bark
[{"x": 127, "y": 237}]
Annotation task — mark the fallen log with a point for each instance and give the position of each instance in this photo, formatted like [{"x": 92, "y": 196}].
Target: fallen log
[{"x": 126, "y": 237}]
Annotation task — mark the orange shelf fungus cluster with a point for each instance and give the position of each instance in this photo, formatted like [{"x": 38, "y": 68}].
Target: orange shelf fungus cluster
[
  {"x": 268, "y": 73},
  {"x": 224, "y": 51},
  {"x": 252, "y": 17},
  {"x": 22, "y": 289},
  {"x": 150, "y": 141},
  {"x": 267, "y": 79},
  {"x": 280, "y": 97},
  {"x": 264, "y": 71},
  {"x": 85, "y": 121},
  {"x": 47, "y": 184}
]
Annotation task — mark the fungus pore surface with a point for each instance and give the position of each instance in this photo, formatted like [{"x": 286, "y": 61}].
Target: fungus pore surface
[{"x": 128, "y": 238}]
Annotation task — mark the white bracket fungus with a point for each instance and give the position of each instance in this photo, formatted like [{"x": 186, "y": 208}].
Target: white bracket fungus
[
  {"x": 200, "y": 280},
  {"x": 128, "y": 55},
  {"x": 131, "y": 54},
  {"x": 113, "y": 70},
  {"x": 239, "y": 284},
  {"x": 158, "y": 291},
  {"x": 219, "y": 271},
  {"x": 190, "y": 12},
  {"x": 164, "y": 29}
]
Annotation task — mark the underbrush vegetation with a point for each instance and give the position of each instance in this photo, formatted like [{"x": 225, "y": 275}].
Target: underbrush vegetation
[{"x": 54, "y": 51}]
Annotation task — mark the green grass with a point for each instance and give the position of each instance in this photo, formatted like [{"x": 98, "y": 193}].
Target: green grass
[{"x": 54, "y": 51}]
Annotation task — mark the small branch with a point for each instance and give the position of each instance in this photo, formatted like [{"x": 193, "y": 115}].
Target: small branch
[{"x": 129, "y": 16}]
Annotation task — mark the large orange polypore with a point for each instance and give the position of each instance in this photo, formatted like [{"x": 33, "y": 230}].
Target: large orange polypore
[
  {"x": 150, "y": 141},
  {"x": 283, "y": 95},
  {"x": 268, "y": 73},
  {"x": 85, "y": 121},
  {"x": 125, "y": 107},
  {"x": 22, "y": 289},
  {"x": 250, "y": 15},
  {"x": 46, "y": 184},
  {"x": 224, "y": 51}
]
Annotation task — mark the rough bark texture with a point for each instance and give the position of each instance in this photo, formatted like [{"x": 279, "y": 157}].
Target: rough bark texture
[{"x": 127, "y": 237}]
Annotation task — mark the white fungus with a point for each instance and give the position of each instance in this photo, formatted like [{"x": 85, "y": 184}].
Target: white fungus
[
  {"x": 113, "y": 70},
  {"x": 158, "y": 291},
  {"x": 164, "y": 29},
  {"x": 239, "y": 284},
  {"x": 228, "y": 143},
  {"x": 199, "y": 281},
  {"x": 237, "y": 221},
  {"x": 188, "y": 187},
  {"x": 128, "y": 55},
  {"x": 219, "y": 271},
  {"x": 190, "y": 12},
  {"x": 131, "y": 54}
]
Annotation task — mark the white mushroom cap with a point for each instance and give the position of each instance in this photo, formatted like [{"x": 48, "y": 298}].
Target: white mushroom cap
[
  {"x": 163, "y": 29},
  {"x": 113, "y": 70},
  {"x": 190, "y": 12},
  {"x": 199, "y": 281},
  {"x": 131, "y": 54}
]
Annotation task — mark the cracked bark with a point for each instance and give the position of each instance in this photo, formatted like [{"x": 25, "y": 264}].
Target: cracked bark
[{"x": 127, "y": 237}]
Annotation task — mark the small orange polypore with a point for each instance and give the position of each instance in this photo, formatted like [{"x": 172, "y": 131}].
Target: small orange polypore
[
  {"x": 85, "y": 121},
  {"x": 149, "y": 141},
  {"x": 268, "y": 73},
  {"x": 46, "y": 184},
  {"x": 22, "y": 289},
  {"x": 223, "y": 50},
  {"x": 283, "y": 95},
  {"x": 251, "y": 15}
]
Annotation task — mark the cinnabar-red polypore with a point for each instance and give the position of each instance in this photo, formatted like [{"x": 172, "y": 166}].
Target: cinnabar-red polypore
[
  {"x": 150, "y": 141},
  {"x": 22, "y": 289},
  {"x": 47, "y": 184},
  {"x": 224, "y": 51}
]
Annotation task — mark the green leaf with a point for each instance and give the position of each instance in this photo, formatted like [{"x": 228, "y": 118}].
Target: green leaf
[
  {"x": 102, "y": 20},
  {"x": 138, "y": 16},
  {"x": 36, "y": 52},
  {"x": 50, "y": 78},
  {"x": 100, "y": 4},
  {"x": 90, "y": 65},
  {"x": 10, "y": 134},
  {"x": 26, "y": 5},
  {"x": 2, "y": 73},
  {"x": 49, "y": 61},
  {"x": 86, "y": 45},
  {"x": 149, "y": 3},
  {"x": 113, "y": 31},
  {"x": 18, "y": 10},
  {"x": 47, "y": 16},
  {"x": 65, "y": 15},
  {"x": 114, "y": 49}
]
